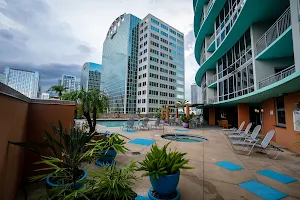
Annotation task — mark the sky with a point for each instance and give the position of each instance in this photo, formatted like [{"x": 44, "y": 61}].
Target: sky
[{"x": 56, "y": 37}]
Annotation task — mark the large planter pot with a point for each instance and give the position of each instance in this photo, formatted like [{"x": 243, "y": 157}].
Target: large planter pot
[
  {"x": 108, "y": 158},
  {"x": 78, "y": 184},
  {"x": 185, "y": 124},
  {"x": 165, "y": 185}
]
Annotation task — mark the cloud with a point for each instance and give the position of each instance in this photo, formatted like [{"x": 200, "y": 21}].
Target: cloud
[
  {"x": 49, "y": 73},
  {"x": 30, "y": 32}
]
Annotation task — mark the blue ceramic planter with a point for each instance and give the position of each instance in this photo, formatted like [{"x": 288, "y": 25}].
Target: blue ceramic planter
[
  {"x": 109, "y": 158},
  {"x": 165, "y": 185},
  {"x": 77, "y": 186}
]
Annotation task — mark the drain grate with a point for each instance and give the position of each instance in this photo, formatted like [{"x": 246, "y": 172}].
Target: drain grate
[{"x": 136, "y": 153}]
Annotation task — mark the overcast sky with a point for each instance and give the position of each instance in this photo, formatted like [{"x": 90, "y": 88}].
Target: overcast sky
[{"x": 58, "y": 36}]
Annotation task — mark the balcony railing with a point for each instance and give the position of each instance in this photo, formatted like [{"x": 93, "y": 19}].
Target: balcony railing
[
  {"x": 212, "y": 80},
  {"x": 277, "y": 77},
  {"x": 212, "y": 100},
  {"x": 208, "y": 8},
  {"x": 281, "y": 24},
  {"x": 211, "y": 39},
  {"x": 202, "y": 54}
]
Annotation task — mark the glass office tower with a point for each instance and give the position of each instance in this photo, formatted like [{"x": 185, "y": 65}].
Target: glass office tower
[
  {"x": 90, "y": 76},
  {"x": 119, "y": 62},
  {"x": 24, "y": 81}
]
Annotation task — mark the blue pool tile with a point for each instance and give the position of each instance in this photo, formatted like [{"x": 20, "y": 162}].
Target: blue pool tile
[
  {"x": 262, "y": 190},
  {"x": 229, "y": 165},
  {"x": 142, "y": 141},
  {"x": 141, "y": 198},
  {"x": 277, "y": 176}
]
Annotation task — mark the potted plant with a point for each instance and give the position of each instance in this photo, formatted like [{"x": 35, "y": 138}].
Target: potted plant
[
  {"x": 185, "y": 121},
  {"x": 164, "y": 170},
  {"x": 64, "y": 153},
  {"x": 108, "y": 147},
  {"x": 109, "y": 183}
]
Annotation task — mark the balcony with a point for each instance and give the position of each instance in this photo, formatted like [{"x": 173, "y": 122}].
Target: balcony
[
  {"x": 250, "y": 13},
  {"x": 203, "y": 56},
  {"x": 277, "y": 40},
  {"x": 276, "y": 77},
  {"x": 212, "y": 83},
  {"x": 211, "y": 44}
]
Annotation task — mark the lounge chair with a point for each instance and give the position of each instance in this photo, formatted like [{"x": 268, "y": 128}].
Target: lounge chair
[
  {"x": 157, "y": 124},
  {"x": 178, "y": 121},
  {"x": 144, "y": 124},
  {"x": 234, "y": 129},
  {"x": 240, "y": 131},
  {"x": 138, "y": 123},
  {"x": 129, "y": 125},
  {"x": 263, "y": 145},
  {"x": 244, "y": 135}
]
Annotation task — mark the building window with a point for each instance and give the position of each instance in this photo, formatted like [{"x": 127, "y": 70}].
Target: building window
[{"x": 280, "y": 112}]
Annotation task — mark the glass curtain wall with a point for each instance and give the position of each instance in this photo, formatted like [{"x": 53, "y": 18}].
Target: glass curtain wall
[
  {"x": 119, "y": 62},
  {"x": 227, "y": 18},
  {"x": 235, "y": 70}
]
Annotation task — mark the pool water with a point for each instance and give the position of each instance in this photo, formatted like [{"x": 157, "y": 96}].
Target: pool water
[
  {"x": 112, "y": 123},
  {"x": 183, "y": 138}
]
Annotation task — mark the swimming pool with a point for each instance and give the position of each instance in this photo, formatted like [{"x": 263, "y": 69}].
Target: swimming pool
[
  {"x": 184, "y": 138},
  {"x": 112, "y": 123}
]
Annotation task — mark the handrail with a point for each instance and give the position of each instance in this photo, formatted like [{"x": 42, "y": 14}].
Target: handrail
[
  {"x": 276, "y": 77},
  {"x": 281, "y": 24},
  {"x": 211, "y": 39},
  {"x": 209, "y": 6},
  {"x": 202, "y": 54}
]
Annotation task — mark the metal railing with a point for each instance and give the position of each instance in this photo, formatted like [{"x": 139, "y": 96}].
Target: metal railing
[
  {"x": 202, "y": 54},
  {"x": 213, "y": 79},
  {"x": 281, "y": 24},
  {"x": 208, "y": 8},
  {"x": 211, "y": 39},
  {"x": 276, "y": 77}
]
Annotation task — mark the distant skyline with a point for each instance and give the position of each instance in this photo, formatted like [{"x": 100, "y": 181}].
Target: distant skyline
[{"x": 57, "y": 37}]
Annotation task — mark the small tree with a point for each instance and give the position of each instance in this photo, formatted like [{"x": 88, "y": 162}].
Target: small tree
[
  {"x": 181, "y": 104},
  {"x": 92, "y": 102},
  {"x": 58, "y": 89}
]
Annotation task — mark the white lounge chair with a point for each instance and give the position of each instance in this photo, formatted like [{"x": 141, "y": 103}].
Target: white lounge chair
[
  {"x": 129, "y": 125},
  {"x": 241, "y": 132},
  {"x": 232, "y": 131},
  {"x": 245, "y": 134},
  {"x": 157, "y": 124},
  {"x": 263, "y": 145},
  {"x": 144, "y": 124}
]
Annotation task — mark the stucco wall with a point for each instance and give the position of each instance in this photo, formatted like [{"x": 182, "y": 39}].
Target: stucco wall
[
  {"x": 23, "y": 120},
  {"x": 285, "y": 137},
  {"x": 13, "y": 123}
]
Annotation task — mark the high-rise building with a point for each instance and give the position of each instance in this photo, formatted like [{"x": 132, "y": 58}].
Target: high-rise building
[
  {"x": 143, "y": 62},
  {"x": 248, "y": 53},
  {"x": 68, "y": 82},
  {"x": 195, "y": 95},
  {"x": 90, "y": 76},
  {"x": 160, "y": 76},
  {"x": 119, "y": 61},
  {"x": 77, "y": 86},
  {"x": 24, "y": 81},
  {"x": 1, "y": 78},
  {"x": 59, "y": 82}
]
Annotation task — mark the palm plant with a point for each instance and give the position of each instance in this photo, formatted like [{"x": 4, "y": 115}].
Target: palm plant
[
  {"x": 92, "y": 101},
  {"x": 158, "y": 162},
  {"x": 181, "y": 104},
  {"x": 113, "y": 182},
  {"x": 58, "y": 89},
  {"x": 64, "y": 153}
]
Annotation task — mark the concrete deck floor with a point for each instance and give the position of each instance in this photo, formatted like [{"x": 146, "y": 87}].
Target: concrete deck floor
[{"x": 208, "y": 181}]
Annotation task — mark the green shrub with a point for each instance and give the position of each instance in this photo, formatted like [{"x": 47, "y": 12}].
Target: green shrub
[{"x": 159, "y": 162}]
